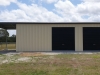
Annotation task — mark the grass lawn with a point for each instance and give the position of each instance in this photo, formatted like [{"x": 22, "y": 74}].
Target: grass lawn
[
  {"x": 10, "y": 46},
  {"x": 64, "y": 64}
]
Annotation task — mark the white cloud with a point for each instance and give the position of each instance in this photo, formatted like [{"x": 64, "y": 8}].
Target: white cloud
[
  {"x": 91, "y": 0},
  {"x": 33, "y": 13},
  {"x": 89, "y": 8},
  {"x": 65, "y": 7},
  {"x": 66, "y": 11},
  {"x": 50, "y": 1},
  {"x": 6, "y": 2}
]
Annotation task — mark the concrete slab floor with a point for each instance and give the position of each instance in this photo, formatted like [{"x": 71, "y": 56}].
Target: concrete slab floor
[{"x": 52, "y": 52}]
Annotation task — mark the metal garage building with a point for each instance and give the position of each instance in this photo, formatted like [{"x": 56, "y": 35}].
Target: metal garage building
[{"x": 35, "y": 36}]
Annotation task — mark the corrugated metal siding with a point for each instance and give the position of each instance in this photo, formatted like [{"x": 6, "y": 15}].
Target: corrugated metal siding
[
  {"x": 38, "y": 37},
  {"x": 33, "y": 38}
]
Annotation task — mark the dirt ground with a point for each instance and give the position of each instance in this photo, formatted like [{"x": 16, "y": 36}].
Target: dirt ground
[{"x": 49, "y": 63}]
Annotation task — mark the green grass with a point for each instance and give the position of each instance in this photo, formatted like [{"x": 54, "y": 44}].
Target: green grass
[
  {"x": 64, "y": 64},
  {"x": 10, "y": 46}
]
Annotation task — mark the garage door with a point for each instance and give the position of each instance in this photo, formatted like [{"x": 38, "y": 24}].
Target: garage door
[
  {"x": 91, "y": 38},
  {"x": 63, "y": 38}
]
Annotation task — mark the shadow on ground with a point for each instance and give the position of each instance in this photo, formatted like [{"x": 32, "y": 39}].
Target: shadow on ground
[
  {"x": 7, "y": 51},
  {"x": 57, "y": 51}
]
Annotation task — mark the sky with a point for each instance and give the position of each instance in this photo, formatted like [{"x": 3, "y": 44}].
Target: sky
[{"x": 49, "y": 11}]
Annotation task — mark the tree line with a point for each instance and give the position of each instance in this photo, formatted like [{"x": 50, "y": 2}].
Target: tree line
[{"x": 9, "y": 38}]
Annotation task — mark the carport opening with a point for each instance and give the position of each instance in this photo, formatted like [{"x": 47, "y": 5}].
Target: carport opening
[
  {"x": 91, "y": 38},
  {"x": 8, "y": 42},
  {"x": 63, "y": 38}
]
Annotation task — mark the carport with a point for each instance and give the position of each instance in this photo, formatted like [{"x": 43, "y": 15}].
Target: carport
[{"x": 7, "y": 26}]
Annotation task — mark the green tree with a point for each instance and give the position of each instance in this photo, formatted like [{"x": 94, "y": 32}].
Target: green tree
[
  {"x": 3, "y": 34},
  {"x": 12, "y": 38}
]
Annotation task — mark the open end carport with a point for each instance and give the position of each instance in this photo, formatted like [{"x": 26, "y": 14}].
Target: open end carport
[
  {"x": 91, "y": 38},
  {"x": 63, "y": 38},
  {"x": 7, "y": 26}
]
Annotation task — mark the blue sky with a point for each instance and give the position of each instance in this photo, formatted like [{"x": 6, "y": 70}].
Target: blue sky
[
  {"x": 49, "y": 11},
  {"x": 38, "y": 2}
]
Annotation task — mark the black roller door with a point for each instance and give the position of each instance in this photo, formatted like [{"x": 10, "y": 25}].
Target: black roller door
[
  {"x": 63, "y": 38},
  {"x": 91, "y": 38}
]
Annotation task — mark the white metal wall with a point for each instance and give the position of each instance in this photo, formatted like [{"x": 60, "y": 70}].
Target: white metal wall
[{"x": 38, "y": 37}]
